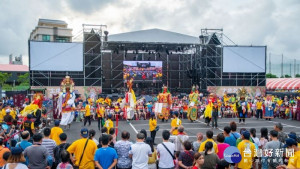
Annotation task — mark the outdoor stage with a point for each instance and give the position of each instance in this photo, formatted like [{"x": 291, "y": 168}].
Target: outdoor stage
[{"x": 190, "y": 128}]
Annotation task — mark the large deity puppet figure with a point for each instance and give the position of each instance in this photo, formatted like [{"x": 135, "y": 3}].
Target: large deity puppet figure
[
  {"x": 129, "y": 102},
  {"x": 35, "y": 108},
  {"x": 65, "y": 102},
  {"x": 269, "y": 108},
  {"x": 209, "y": 107},
  {"x": 193, "y": 103},
  {"x": 165, "y": 98},
  {"x": 35, "y": 105}
]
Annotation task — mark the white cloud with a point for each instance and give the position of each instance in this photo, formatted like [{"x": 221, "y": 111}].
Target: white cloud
[{"x": 256, "y": 22}]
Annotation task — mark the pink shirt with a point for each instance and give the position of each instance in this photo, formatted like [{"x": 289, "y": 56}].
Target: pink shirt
[{"x": 221, "y": 148}]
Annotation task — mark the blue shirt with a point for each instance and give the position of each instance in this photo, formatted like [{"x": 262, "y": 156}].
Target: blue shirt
[
  {"x": 230, "y": 140},
  {"x": 105, "y": 156},
  {"x": 24, "y": 144}
]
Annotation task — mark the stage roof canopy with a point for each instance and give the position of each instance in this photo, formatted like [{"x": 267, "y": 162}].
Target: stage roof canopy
[
  {"x": 153, "y": 36},
  {"x": 283, "y": 84}
]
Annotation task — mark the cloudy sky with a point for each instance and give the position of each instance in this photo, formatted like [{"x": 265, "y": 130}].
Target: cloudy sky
[{"x": 274, "y": 23}]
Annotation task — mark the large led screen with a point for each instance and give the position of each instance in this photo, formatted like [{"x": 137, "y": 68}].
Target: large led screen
[
  {"x": 55, "y": 56},
  {"x": 242, "y": 59},
  {"x": 142, "y": 71}
]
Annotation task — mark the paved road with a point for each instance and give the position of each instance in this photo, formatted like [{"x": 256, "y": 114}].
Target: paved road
[{"x": 191, "y": 128}]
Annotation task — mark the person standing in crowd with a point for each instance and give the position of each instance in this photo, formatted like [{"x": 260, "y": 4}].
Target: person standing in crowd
[
  {"x": 55, "y": 132},
  {"x": 259, "y": 111},
  {"x": 233, "y": 128},
  {"x": 28, "y": 125},
  {"x": 37, "y": 154},
  {"x": 65, "y": 161},
  {"x": 87, "y": 115},
  {"x": 140, "y": 152},
  {"x": 165, "y": 152},
  {"x": 215, "y": 114},
  {"x": 100, "y": 114},
  {"x": 281, "y": 135},
  {"x": 263, "y": 141},
  {"x": 105, "y": 157},
  {"x": 294, "y": 161},
  {"x": 247, "y": 148},
  {"x": 92, "y": 134},
  {"x": 152, "y": 126},
  {"x": 24, "y": 143},
  {"x": 254, "y": 138},
  {"x": 108, "y": 123},
  {"x": 198, "y": 161},
  {"x": 152, "y": 159},
  {"x": 273, "y": 146},
  {"x": 84, "y": 151},
  {"x": 210, "y": 157},
  {"x": 197, "y": 143},
  {"x": 2, "y": 151},
  {"x": 180, "y": 138},
  {"x": 176, "y": 122},
  {"x": 48, "y": 143},
  {"x": 223, "y": 164},
  {"x": 57, "y": 151},
  {"x": 186, "y": 158},
  {"x": 123, "y": 147},
  {"x": 16, "y": 159},
  {"x": 229, "y": 138},
  {"x": 209, "y": 135},
  {"x": 221, "y": 145}
]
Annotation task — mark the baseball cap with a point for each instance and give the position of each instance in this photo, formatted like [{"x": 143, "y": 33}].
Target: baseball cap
[
  {"x": 152, "y": 114},
  {"x": 109, "y": 115},
  {"x": 289, "y": 142},
  {"x": 292, "y": 135},
  {"x": 56, "y": 122},
  {"x": 84, "y": 132},
  {"x": 246, "y": 134}
]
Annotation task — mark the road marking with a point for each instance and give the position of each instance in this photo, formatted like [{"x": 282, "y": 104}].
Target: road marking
[{"x": 133, "y": 128}]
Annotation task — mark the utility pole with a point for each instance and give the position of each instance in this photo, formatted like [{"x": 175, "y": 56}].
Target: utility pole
[
  {"x": 270, "y": 62},
  {"x": 295, "y": 68},
  {"x": 282, "y": 65},
  {"x": 291, "y": 69}
]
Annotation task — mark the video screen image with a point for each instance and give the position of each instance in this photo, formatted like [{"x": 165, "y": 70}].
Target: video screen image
[{"x": 146, "y": 71}]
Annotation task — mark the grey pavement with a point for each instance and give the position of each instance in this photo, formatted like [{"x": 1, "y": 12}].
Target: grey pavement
[{"x": 190, "y": 128}]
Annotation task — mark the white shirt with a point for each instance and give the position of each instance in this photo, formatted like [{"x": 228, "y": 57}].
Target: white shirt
[
  {"x": 140, "y": 153},
  {"x": 178, "y": 141},
  {"x": 165, "y": 158},
  {"x": 19, "y": 166}
]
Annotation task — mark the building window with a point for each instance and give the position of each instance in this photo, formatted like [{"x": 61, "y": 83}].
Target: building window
[
  {"x": 46, "y": 37},
  {"x": 62, "y": 39}
]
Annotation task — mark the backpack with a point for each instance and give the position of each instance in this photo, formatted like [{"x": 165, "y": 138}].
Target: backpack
[{"x": 58, "y": 150}]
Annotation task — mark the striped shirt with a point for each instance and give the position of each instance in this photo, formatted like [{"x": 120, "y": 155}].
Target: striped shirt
[{"x": 49, "y": 144}]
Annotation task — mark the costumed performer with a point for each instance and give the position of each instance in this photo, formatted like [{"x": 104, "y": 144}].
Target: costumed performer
[
  {"x": 208, "y": 109},
  {"x": 65, "y": 102},
  {"x": 165, "y": 98},
  {"x": 193, "y": 104},
  {"x": 269, "y": 108},
  {"x": 129, "y": 102}
]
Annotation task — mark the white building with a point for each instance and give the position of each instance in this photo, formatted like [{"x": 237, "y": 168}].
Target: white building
[{"x": 51, "y": 31}]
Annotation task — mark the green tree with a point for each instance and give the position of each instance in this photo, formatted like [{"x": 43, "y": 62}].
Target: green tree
[
  {"x": 287, "y": 76},
  {"x": 23, "y": 79},
  {"x": 297, "y": 75},
  {"x": 4, "y": 77},
  {"x": 270, "y": 75}
]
